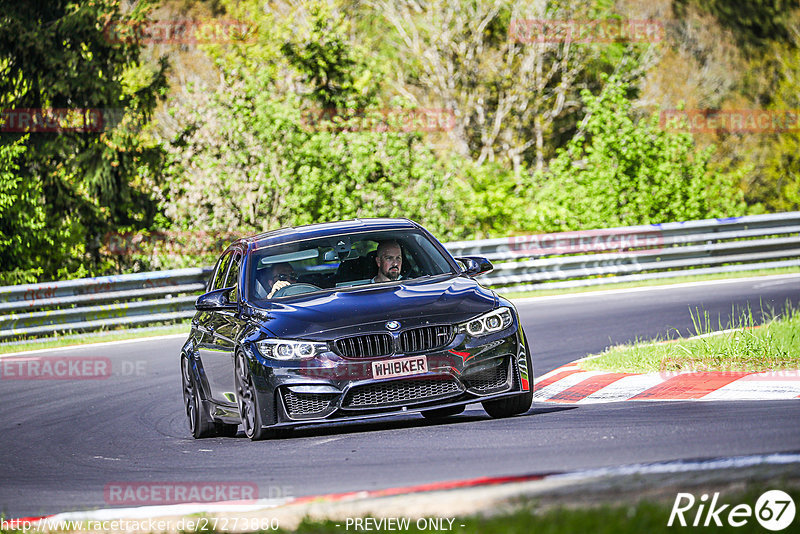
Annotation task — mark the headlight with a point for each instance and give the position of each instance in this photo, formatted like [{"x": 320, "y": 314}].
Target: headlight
[
  {"x": 290, "y": 349},
  {"x": 493, "y": 321}
]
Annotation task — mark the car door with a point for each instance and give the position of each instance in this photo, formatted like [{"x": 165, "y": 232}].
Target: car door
[
  {"x": 224, "y": 327},
  {"x": 206, "y": 325},
  {"x": 203, "y": 321}
]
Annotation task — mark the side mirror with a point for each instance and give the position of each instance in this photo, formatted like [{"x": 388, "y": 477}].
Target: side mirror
[
  {"x": 475, "y": 265},
  {"x": 216, "y": 300}
]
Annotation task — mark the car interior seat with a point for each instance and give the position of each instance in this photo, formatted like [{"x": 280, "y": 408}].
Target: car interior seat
[{"x": 360, "y": 268}]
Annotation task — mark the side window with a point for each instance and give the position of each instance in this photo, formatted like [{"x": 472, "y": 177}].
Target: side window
[
  {"x": 222, "y": 268},
  {"x": 232, "y": 280}
]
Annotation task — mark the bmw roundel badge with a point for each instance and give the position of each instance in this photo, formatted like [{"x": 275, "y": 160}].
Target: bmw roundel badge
[{"x": 392, "y": 325}]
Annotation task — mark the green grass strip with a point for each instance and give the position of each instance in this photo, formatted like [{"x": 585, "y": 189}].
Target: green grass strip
[{"x": 744, "y": 347}]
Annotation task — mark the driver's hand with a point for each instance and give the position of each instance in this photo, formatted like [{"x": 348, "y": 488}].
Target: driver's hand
[{"x": 280, "y": 284}]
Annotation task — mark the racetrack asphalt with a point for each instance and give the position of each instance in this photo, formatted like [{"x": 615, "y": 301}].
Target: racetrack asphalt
[{"x": 65, "y": 441}]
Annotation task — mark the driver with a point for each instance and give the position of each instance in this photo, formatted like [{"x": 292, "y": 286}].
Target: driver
[
  {"x": 389, "y": 258},
  {"x": 277, "y": 277}
]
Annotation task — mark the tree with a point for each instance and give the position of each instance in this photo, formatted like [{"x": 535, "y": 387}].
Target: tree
[
  {"x": 513, "y": 96},
  {"x": 255, "y": 154},
  {"x": 22, "y": 218},
  {"x": 623, "y": 171},
  {"x": 59, "y": 55},
  {"x": 774, "y": 185}
]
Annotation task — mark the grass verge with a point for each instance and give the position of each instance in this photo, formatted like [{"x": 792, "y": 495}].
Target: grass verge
[
  {"x": 649, "y": 283},
  {"x": 743, "y": 347},
  {"x": 94, "y": 337}
]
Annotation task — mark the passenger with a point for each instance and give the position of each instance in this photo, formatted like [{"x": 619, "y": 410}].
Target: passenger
[
  {"x": 276, "y": 277},
  {"x": 390, "y": 261}
]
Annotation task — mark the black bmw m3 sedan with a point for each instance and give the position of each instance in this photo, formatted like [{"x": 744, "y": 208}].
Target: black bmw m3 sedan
[{"x": 348, "y": 320}]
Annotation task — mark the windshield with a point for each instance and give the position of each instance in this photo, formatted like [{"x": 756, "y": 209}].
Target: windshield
[{"x": 342, "y": 261}]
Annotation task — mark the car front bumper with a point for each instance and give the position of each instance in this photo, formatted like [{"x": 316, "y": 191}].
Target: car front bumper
[{"x": 332, "y": 388}]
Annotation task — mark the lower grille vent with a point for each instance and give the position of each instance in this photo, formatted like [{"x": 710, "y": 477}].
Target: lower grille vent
[
  {"x": 306, "y": 404},
  {"x": 489, "y": 380},
  {"x": 401, "y": 392}
]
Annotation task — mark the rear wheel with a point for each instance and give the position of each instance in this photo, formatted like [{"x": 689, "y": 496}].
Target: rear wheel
[
  {"x": 199, "y": 424},
  {"x": 247, "y": 399},
  {"x": 440, "y": 413},
  {"x": 513, "y": 405}
]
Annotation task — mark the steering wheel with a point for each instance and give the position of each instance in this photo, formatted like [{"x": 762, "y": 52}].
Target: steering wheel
[{"x": 295, "y": 289}]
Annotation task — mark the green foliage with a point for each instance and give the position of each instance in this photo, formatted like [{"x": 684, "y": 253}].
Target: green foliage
[
  {"x": 774, "y": 185},
  {"x": 326, "y": 61},
  {"x": 495, "y": 200},
  {"x": 22, "y": 216},
  {"x": 250, "y": 164},
  {"x": 622, "y": 171},
  {"x": 79, "y": 185},
  {"x": 255, "y": 156},
  {"x": 297, "y": 130},
  {"x": 754, "y": 23}
]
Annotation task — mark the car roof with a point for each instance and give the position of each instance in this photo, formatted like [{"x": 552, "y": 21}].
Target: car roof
[{"x": 328, "y": 229}]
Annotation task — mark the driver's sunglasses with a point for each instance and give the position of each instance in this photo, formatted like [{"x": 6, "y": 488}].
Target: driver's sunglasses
[{"x": 286, "y": 277}]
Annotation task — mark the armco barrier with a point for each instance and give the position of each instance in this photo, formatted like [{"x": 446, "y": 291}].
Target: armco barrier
[
  {"x": 521, "y": 263},
  {"x": 100, "y": 302},
  {"x": 633, "y": 253}
]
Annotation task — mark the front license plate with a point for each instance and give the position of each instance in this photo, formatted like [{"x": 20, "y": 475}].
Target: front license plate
[{"x": 400, "y": 367}]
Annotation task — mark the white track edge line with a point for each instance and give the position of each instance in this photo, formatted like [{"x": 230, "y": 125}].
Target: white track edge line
[
  {"x": 89, "y": 345},
  {"x": 660, "y": 287}
]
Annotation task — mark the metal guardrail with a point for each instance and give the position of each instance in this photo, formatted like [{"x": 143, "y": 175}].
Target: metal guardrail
[
  {"x": 634, "y": 253},
  {"x": 522, "y": 263},
  {"x": 77, "y": 305}
]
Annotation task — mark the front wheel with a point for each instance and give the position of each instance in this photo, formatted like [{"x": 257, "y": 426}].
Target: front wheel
[
  {"x": 199, "y": 424},
  {"x": 247, "y": 399}
]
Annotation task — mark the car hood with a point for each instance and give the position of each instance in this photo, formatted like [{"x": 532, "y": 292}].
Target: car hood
[{"x": 368, "y": 308}]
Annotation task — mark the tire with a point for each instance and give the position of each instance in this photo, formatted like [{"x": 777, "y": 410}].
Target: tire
[
  {"x": 247, "y": 400},
  {"x": 199, "y": 424},
  {"x": 441, "y": 413},
  {"x": 518, "y": 404}
]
